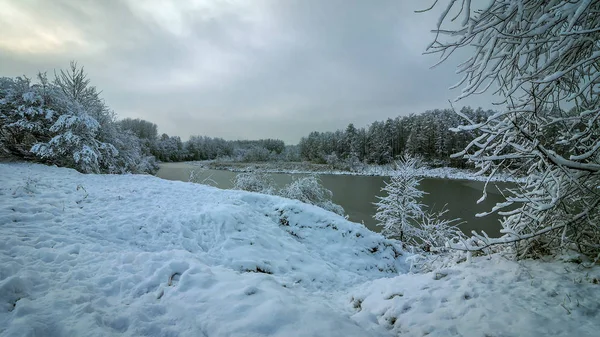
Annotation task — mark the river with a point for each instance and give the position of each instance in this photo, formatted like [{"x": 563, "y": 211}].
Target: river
[{"x": 356, "y": 194}]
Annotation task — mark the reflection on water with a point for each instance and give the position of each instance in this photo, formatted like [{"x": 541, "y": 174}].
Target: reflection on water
[{"x": 358, "y": 193}]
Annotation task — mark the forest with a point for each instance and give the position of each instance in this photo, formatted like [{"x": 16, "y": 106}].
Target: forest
[
  {"x": 427, "y": 135},
  {"x": 65, "y": 122}
]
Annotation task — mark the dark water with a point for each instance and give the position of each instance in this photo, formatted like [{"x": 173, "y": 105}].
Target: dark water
[{"x": 356, "y": 194}]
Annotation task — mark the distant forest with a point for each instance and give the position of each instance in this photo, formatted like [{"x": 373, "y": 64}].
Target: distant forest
[
  {"x": 65, "y": 122},
  {"x": 427, "y": 135}
]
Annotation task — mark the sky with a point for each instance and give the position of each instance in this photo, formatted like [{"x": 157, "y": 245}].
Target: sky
[{"x": 239, "y": 69}]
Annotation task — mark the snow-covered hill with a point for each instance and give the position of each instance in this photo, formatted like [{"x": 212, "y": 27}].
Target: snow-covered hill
[
  {"x": 97, "y": 255},
  {"x": 128, "y": 255}
]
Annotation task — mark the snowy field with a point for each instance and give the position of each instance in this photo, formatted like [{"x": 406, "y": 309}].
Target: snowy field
[
  {"x": 130, "y": 255},
  {"x": 365, "y": 170}
]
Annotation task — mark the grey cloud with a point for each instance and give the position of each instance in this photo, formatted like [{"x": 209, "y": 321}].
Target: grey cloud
[{"x": 296, "y": 67}]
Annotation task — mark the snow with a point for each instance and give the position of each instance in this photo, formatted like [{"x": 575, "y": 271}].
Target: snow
[
  {"x": 94, "y": 255},
  {"x": 366, "y": 170},
  {"x": 490, "y": 297},
  {"x": 133, "y": 255}
]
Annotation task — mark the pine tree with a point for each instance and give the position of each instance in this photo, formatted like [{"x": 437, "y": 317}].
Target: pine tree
[
  {"x": 400, "y": 211},
  {"x": 25, "y": 114}
]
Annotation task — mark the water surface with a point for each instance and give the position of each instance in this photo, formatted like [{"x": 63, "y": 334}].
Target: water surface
[{"x": 356, "y": 194}]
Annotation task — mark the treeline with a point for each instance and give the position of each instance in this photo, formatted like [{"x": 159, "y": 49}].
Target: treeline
[
  {"x": 426, "y": 135},
  {"x": 172, "y": 149},
  {"x": 64, "y": 121}
]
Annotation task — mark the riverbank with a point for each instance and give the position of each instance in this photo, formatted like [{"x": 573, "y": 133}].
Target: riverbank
[
  {"x": 358, "y": 193},
  {"x": 135, "y": 255},
  {"x": 365, "y": 170}
]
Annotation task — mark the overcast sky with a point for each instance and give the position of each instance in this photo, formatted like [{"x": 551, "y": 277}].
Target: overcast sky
[{"x": 237, "y": 69}]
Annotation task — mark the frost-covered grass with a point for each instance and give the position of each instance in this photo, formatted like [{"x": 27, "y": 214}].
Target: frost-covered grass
[
  {"x": 364, "y": 170},
  {"x": 129, "y": 255}
]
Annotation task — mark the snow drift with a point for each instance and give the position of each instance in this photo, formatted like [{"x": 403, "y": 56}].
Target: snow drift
[
  {"x": 97, "y": 255},
  {"x": 129, "y": 255}
]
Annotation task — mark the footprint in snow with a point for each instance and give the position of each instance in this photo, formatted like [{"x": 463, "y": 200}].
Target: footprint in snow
[{"x": 174, "y": 279}]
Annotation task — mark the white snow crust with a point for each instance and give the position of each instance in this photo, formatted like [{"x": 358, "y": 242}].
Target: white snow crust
[{"x": 133, "y": 255}]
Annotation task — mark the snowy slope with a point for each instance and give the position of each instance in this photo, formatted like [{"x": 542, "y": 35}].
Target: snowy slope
[
  {"x": 491, "y": 296},
  {"x": 100, "y": 255},
  {"x": 104, "y": 255}
]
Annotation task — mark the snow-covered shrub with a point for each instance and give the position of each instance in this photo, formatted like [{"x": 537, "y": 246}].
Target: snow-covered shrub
[
  {"x": 200, "y": 175},
  {"x": 400, "y": 211},
  {"x": 25, "y": 114},
  {"x": 310, "y": 190},
  {"x": 254, "y": 182},
  {"x": 438, "y": 233},
  {"x": 541, "y": 57}
]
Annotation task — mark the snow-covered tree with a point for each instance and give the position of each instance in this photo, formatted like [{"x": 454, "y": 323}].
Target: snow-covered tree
[
  {"x": 26, "y": 114},
  {"x": 146, "y": 131},
  {"x": 256, "y": 154},
  {"x": 133, "y": 156},
  {"x": 41, "y": 120},
  {"x": 78, "y": 139},
  {"x": 254, "y": 182},
  {"x": 426, "y": 135},
  {"x": 332, "y": 160},
  {"x": 351, "y": 141},
  {"x": 542, "y": 59},
  {"x": 310, "y": 190},
  {"x": 291, "y": 153},
  {"x": 169, "y": 148},
  {"x": 65, "y": 122},
  {"x": 400, "y": 211},
  {"x": 141, "y": 128},
  {"x": 76, "y": 87},
  {"x": 75, "y": 143}
]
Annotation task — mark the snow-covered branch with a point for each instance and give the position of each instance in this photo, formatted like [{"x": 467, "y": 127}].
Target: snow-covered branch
[{"x": 542, "y": 60}]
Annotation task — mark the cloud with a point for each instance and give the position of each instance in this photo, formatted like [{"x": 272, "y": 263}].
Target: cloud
[{"x": 237, "y": 69}]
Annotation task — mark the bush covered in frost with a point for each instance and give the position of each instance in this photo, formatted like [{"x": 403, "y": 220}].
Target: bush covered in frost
[
  {"x": 254, "y": 182},
  {"x": 310, "y": 190}
]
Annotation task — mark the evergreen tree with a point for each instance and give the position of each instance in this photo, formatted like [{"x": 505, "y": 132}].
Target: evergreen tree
[{"x": 400, "y": 211}]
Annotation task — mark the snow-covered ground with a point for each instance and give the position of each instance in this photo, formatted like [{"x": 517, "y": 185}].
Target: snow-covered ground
[
  {"x": 365, "y": 170},
  {"x": 129, "y": 255}
]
